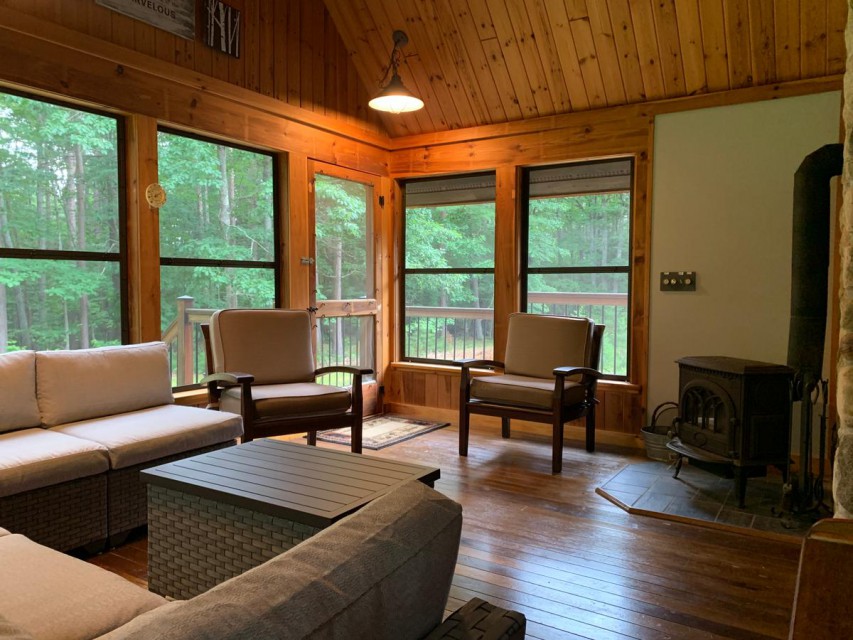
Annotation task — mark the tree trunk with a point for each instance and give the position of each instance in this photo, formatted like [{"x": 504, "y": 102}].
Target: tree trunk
[
  {"x": 224, "y": 193},
  {"x": 80, "y": 191},
  {"x": 4, "y": 321}
]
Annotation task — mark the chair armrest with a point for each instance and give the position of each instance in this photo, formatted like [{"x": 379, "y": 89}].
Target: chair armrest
[
  {"x": 229, "y": 378},
  {"x": 572, "y": 371},
  {"x": 469, "y": 363},
  {"x": 478, "y": 620},
  {"x": 356, "y": 371}
]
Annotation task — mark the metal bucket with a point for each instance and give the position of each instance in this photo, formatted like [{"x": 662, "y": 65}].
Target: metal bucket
[{"x": 656, "y": 436}]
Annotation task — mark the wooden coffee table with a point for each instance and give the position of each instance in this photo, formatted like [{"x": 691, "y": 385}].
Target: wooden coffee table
[{"x": 216, "y": 515}]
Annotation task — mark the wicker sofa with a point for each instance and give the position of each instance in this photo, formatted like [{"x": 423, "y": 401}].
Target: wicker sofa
[
  {"x": 383, "y": 572},
  {"x": 75, "y": 429}
]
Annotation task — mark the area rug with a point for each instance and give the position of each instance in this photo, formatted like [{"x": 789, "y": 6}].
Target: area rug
[
  {"x": 379, "y": 432},
  {"x": 702, "y": 498}
]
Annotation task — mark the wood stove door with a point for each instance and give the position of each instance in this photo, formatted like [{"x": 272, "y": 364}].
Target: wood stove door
[{"x": 708, "y": 420}]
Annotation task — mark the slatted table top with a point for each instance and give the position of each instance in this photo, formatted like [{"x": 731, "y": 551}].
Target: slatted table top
[{"x": 295, "y": 481}]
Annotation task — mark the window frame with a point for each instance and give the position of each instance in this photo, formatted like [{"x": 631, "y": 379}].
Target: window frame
[
  {"x": 121, "y": 183},
  {"x": 524, "y": 249}
]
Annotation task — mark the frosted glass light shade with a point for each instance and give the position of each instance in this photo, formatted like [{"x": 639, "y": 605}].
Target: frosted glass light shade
[{"x": 395, "y": 98}]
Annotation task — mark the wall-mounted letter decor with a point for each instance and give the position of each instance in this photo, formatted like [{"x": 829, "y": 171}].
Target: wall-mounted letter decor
[{"x": 174, "y": 16}]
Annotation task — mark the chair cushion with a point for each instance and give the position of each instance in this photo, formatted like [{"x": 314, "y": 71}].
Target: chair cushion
[
  {"x": 523, "y": 391},
  {"x": 536, "y": 345},
  {"x": 297, "y": 399},
  {"x": 89, "y": 383},
  {"x": 52, "y": 596},
  {"x": 274, "y": 345},
  {"x": 18, "y": 405},
  {"x": 9, "y": 631},
  {"x": 35, "y": 458},
  {"x": 3, "y": 532},
  {"x": 394, "y": 587},
  {"x": 141, "y": 436}
]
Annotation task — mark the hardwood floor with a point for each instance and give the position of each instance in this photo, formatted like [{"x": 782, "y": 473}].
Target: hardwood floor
[{"x": 576, "y": 565}]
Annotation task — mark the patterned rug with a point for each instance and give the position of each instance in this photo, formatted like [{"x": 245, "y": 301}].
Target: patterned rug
[{"x": 379, "y": 432}]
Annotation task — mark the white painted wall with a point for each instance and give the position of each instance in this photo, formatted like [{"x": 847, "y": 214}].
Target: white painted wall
[{"x": 722, "y": 206}]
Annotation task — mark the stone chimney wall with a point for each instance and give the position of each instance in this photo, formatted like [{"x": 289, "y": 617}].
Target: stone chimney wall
[{"x": 842, "y": 483}]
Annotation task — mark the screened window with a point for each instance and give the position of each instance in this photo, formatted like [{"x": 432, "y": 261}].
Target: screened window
[
  {"x": 577, "y": 249},
  {"x": 449, "y": 268},
  {"x": 61, "y": 227},
  {"x": 218, "y": 240}
]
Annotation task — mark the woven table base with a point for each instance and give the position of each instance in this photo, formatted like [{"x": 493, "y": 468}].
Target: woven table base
[
  {"x": 195, "y": 543},
  {"x": 481, "y": 620}
]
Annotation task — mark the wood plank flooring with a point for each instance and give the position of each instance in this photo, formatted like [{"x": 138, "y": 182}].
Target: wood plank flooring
[{"x": 576, "y": 565}]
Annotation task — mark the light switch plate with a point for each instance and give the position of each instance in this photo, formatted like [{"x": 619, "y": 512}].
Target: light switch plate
[{"x": 678, "y": 281}]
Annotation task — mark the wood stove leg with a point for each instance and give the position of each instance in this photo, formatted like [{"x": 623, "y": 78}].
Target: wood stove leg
[
  {"x": 678, "y": 463},
  {"x": 740, "y": 486},
  {"x": 505, "y": 427}
]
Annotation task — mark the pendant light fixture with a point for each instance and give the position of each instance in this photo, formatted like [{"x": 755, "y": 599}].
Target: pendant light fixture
[{"x": 394, "y": 97}]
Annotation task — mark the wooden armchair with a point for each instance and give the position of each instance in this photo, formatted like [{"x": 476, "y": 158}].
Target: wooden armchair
[
  {"x": 261, "y": 365},
  {"x": 550, "y": 375}
]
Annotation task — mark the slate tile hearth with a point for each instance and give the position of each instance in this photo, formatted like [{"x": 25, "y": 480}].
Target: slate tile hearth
[{"x": 703, "y": 496}]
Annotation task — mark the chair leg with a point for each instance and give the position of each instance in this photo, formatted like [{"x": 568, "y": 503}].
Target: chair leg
[
  {"x": 356, "y": 436},
  {"x": 464, "y": 417},
  {"x": 590, "y": 430},
  {"x": 504, "y": 427},
  {"x": 557, "y": 446},
  {"x": 312, "y": 438}
]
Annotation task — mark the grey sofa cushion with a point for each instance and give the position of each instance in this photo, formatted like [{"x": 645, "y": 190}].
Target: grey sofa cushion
[
  {"x": 18, "y": 405},
  {"x": 88, "y": 383},
  {"x": 35, "y": 458},
  {"x": 52, "y": 596},
  {"x": 382, "y": 573},
  {"x": 140, "y": 436}
]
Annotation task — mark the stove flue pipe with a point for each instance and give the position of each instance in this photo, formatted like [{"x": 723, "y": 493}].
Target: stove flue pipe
[{"x": 810, "y": 264}]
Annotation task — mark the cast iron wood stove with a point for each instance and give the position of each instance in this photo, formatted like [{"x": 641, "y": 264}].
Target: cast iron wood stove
[{"x": 734, "y": 417}]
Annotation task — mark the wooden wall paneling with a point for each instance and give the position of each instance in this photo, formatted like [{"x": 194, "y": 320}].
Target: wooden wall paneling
[
  {"x": 252, "y": 45},
  {"x": 669, "y": 47},
  {"x": 507, "y": 267},
  {"x": 294, "y": 58},
  {"x": 322, "y": 39},
  {"x": 576, "y": 11},
  {"x": 605, "y": 48},
  {"x": 690, "y": 42},
  {"x": 503, "y": 81},
  {"x": 647, "y": 48},
  {"x": 143, "y": 39},
  {"x": 787, "y": 38},
  {"x": 269, "y": 56},
  {"x": 813, "y": 53},
  {"x": 567, "y": 55},
  {"x": 456, "y": 55},
  {"x": 479, "y": 62},
  {"x": 121, "y": 28},
  {"x": 307, "y": 43},
  {"x": 626, "y": 47},
  {"x": 545, "y": 43},
  {"x": 714, "y": 44},
  {"x": 835, "y": 47},
  {"x": 331, "y": 63},
  {"x": 280, "y": 59},
  {"x": 298, "y": 231},
  {"x": 100, "y": 25},
  {"x": 534, "y": 65},
  {"x": 736, "y": 15},
  {"x": 513, "y": 61},
  {"x": 762, "y": 35},
  {"x": 143, "y": 230},
  {"x": 479, "y": 11}
]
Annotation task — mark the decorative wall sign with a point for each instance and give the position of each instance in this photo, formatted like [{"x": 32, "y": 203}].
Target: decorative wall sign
[
  {"x": 222, "y": 27},
  {"x": 174, "y": 16}
]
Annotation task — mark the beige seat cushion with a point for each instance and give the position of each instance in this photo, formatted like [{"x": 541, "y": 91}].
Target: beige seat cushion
[
  {"x": 140, "y": 436},
  {"x": 9, "y": 631},
  {"x": 523, "y": 391},
  {"x": 274, "y": 345},
  {"x": 89, "y": 383},
  {"x": 3, "y": 532},
  {"x": 536, "y": 345},
  {"x": 35, "y": 458},
  {"x": 383, "y": 573},
  {"x": 18, "y": 405},
  {"x": 297, "y": 399},
  {"x": 52, "y": 596}
]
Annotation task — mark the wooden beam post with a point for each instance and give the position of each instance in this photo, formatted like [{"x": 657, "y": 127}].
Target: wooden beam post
[{"x": 507, "y": 265}]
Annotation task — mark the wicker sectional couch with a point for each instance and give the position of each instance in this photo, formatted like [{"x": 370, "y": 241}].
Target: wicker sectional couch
[
  {"x": 75, "y": 429},
  {"x": 382, "y": 573}
]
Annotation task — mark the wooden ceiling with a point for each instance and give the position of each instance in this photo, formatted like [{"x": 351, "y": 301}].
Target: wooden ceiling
[{"x": 476, "y": 62}]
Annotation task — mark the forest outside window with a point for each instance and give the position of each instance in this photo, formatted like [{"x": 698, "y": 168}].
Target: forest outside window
[
  {"x": 576, "y": 249},
  {"x": 61, "y": 227},
  {"x": 218, "y": 240},
  {"x": 449, "y": 268}
]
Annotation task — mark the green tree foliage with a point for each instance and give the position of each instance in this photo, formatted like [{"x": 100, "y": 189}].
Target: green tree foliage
[{"x": 59, "y": 190}]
